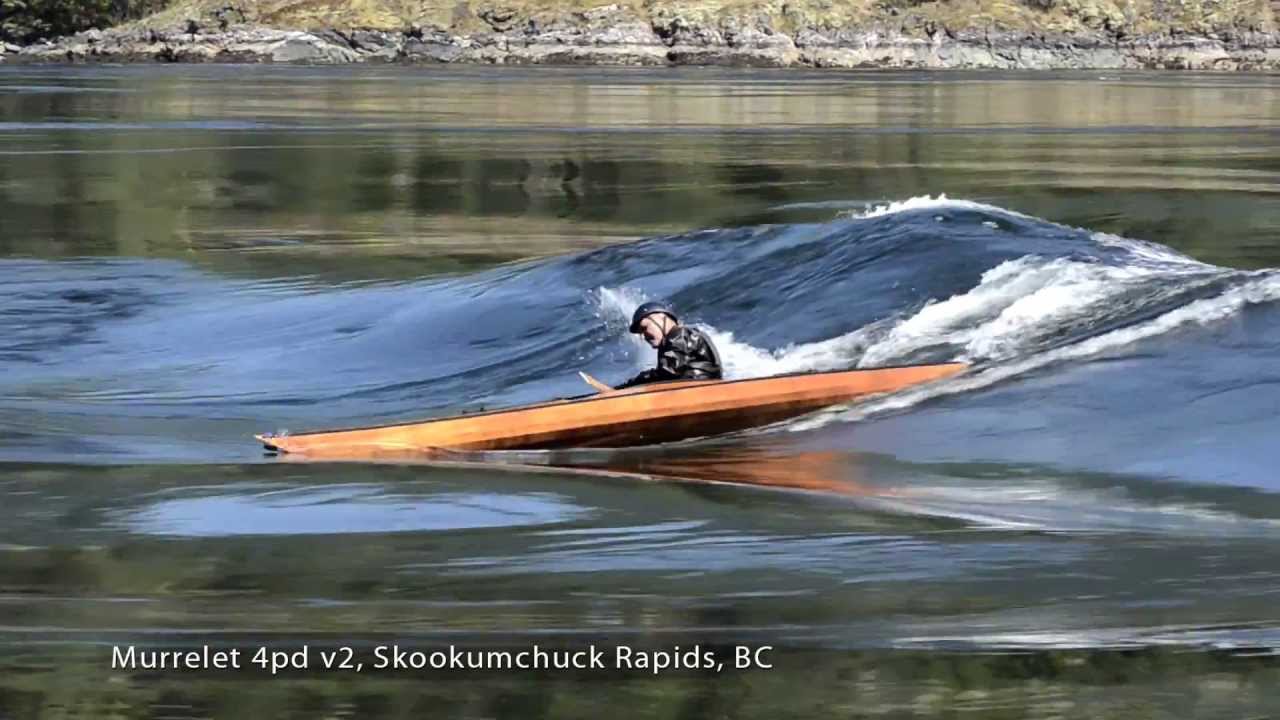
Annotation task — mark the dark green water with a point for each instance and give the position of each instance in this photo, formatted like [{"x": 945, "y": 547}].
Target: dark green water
[{"x": 1087, "y": 528}]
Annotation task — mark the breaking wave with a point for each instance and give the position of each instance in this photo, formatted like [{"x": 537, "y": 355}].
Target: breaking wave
[{"x": 1100, "y": 293}]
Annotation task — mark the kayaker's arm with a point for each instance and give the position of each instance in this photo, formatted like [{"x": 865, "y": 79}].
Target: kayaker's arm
[{"x": 648, "y": 376}]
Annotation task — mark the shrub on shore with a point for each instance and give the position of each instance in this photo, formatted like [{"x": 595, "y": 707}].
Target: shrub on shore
[{"x": 26, "y": 21}]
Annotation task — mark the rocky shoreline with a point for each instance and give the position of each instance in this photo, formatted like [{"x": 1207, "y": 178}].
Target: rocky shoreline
[{"x": 614, "y": 36}]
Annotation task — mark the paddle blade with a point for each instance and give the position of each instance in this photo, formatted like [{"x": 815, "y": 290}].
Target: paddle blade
[{"x": 594, "y": 382}]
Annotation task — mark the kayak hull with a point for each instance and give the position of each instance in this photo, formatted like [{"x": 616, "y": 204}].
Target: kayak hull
[{"x": 644, "y": 415}]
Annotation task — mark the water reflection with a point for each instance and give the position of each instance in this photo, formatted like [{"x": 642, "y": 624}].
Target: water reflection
[
  {"x": 765, "y": 465},
  {"x": 442, "y": 171},
  {"x": 343, "y": 510},
  {"x": 1009, "y": 582}
]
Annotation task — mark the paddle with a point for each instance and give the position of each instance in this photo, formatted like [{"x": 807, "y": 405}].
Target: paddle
[{"x": 594, "y": 382}]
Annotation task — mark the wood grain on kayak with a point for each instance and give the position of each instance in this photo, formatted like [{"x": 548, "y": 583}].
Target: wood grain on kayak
[{"x": 642, "y": 415}]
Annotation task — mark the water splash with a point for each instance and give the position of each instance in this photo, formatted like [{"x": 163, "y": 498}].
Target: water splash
[
  {"x": 1263, "y": 288},
  {"x": 926, "y": 202}
]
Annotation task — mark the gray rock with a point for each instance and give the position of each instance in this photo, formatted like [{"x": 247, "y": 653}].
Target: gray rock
[
  {"x": 376, "y": 42},
  {"x": 500, "y": 19},
  {"x": 602, "y": 15},
  {"x": 625, "y": 33},
  {"x": 631, "y": 33},
  {"x": 678, "y": 30},
  {"x": 432, "y": 51},
  {"x": 299, "y": 47},
  {"x": 616, "y": 35},
  {"x": 44, "y": 52},
  {"x": 334, "y": 37},
  {"x": 557, "y": 54},
  {"x": 299, "y": 51},
  {"x": 377, "y": 46}
]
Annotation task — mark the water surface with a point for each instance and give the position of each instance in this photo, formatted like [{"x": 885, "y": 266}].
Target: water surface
[{"x": 1087, "y": 525}]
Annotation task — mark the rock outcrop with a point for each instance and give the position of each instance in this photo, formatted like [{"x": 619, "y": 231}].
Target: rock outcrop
[{"x": 1040, "y": 34}]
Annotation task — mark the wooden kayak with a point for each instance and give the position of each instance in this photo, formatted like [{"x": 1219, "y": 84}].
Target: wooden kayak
[{"x": 644, "y": 415}]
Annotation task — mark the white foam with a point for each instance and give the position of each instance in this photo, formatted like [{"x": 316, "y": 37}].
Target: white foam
[
  {"x": 742, "y": 360},
  {"x": 1151, "y": 253},
  {"x": 1072, "y": 290},
  {"x": 927, "y": 202},
  {"x": 1008, "y": 309},
  {"x": 1010, "y": 313},
  {"x": 1264, "y": 287},
  {"x": 614, "y": 306},
  {"x": 1046, "y": 504}
]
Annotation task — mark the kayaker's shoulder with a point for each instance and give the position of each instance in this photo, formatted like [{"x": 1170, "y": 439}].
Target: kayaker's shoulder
[{"x": 687, "y": 337}]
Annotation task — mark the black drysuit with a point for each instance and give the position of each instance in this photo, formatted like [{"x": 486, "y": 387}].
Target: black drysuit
[{"x": 684, "y": 354}]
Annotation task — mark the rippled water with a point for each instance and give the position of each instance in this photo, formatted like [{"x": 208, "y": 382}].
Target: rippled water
[{"x": 1085, "y": 525}]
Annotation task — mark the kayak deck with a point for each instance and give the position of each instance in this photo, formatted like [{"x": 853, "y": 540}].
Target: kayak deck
[{"x": 644, "y": 415}]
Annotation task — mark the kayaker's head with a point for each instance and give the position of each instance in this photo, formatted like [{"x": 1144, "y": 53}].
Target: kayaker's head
[{"x": 654, "y": 320}]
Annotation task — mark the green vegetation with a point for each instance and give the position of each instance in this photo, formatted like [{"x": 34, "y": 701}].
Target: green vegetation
[{"x": 25, "y": 21}]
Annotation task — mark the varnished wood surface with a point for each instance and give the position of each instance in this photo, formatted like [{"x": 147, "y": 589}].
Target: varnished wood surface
[{"x": 642, "y": 415}]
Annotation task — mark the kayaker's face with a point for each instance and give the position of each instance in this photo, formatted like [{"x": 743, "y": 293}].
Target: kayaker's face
[{"x": 654, "y": 328}]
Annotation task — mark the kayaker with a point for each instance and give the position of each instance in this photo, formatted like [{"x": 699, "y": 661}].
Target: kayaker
[{"x": 683, "y": 352}]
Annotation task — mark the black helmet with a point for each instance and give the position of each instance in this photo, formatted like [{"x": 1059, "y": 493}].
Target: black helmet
[{"x": 648, "y": 309}]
